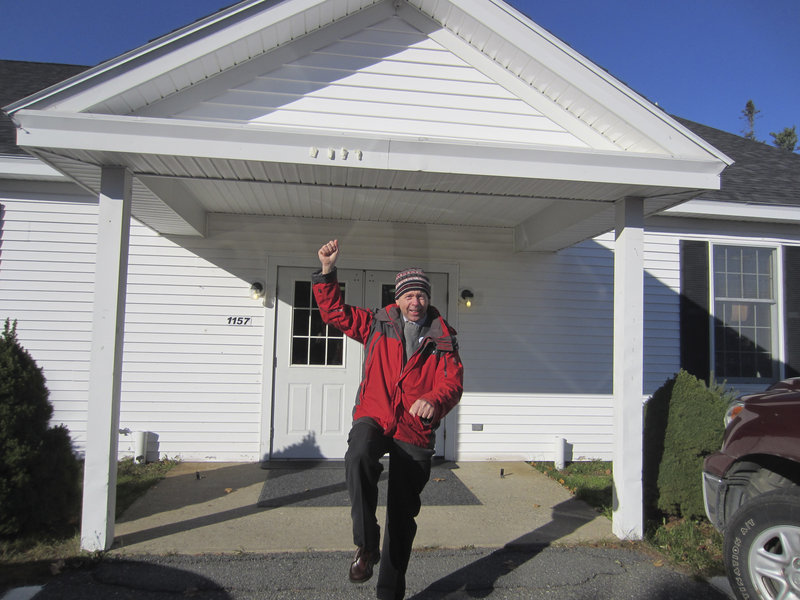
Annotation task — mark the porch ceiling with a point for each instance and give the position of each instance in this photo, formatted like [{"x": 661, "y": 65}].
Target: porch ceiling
[
  {"x": 174, "y": 195},
  {"x": 185, "y": 170}
]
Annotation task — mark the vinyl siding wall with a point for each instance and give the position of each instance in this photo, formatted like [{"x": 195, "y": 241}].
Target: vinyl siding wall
[
  {"x": 536, "y": 344},
  {"x": 47, "y": 254}
]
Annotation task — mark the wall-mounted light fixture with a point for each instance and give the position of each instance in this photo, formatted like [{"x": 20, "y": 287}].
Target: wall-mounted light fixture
[
  {"x": 257, "y": 290},
  {"x": 466, "y": 297}
]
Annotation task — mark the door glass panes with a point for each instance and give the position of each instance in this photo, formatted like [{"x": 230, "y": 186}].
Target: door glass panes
[
  {"x": 743, "y": 312},
  {"x": 387, "y": 295},
  {"x": 313, "y": 342}
]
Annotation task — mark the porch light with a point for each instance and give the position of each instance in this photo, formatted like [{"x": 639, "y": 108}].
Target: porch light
[
  {"x": 257, "y": 290},
  {"x": 467, "y": 296}
]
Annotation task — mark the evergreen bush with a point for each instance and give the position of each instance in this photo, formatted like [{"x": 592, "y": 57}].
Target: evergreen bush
[
  {"x": 39, "y": 474},
  {"x": 683, "y": 425}
]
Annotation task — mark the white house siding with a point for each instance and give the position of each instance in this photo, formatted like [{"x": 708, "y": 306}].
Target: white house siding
[
  {"x": 47, "y": 255},
  {"x": 389, "y": 77},
  {"x": 189, "y": 376},
  {"x": 536, "y": 343}
]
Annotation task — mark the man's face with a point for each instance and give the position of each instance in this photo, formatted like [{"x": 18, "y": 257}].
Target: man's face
[{"x": 413, "y": 305}]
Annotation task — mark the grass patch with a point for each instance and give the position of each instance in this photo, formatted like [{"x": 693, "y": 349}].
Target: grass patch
[
  {"x": 589, "y": 481},
  {"x": 690, "y": 544},
  {"x": 133, "y": 480},
  {"x": 31, "y": 559},
  {"x": 695, "y": 544}
]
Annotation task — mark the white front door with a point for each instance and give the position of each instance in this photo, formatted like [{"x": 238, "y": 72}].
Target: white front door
[{"x": 317, "y": 369}]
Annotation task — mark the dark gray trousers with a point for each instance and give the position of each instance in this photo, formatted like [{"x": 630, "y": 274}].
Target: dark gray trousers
[{"x": 409, "y": 471}]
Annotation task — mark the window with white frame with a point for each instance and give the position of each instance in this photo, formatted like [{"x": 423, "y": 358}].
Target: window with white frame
[
  {"x": 745, "y": 318},
  {"x": 313, "y": 342}
]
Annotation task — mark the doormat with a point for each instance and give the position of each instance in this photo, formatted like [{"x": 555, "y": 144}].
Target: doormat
[{"x": 322, "y": 484}]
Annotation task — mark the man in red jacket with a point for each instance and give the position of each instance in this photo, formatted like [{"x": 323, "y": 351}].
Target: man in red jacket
[{"x": 412, "y": 378}]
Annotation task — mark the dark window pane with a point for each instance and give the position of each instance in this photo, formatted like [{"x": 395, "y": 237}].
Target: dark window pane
[
  {"x": 733, "y": 260},
  {"x": 750, "y": 286},
  {"x": 317, "y": 325},
  {"x": 734, "y": 285},
  {"x": 764, "y": 365},
  {"x": 764, "y": 287},
  {"x": 748, "y": 368},
  {"x": 299, "y": 351},
  {"x": 719, "y": 336},
  {"x": 763, "y": 315},
  {"x": 332, "y": 332},
  {"x": 387, "y": 294},
  {"x": 749, "y": 260},
  {"x": 317, "y": 352},
  {"x": 719, "y": 257},
  {"x": 335, "y": 352},
  {"x": 720, "y": 289},
  {"x": 765, "y": 262},
  {"x": 300, "y": 325},
  {"x": 302, "y": 294},
  {"x": 748, "y": 337},
  {"x": 763, "y": 339}
]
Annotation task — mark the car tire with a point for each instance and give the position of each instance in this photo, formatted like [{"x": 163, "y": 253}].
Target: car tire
[
  {"x": 749, "y": 480},
  {"x": 762, "y": 547}
]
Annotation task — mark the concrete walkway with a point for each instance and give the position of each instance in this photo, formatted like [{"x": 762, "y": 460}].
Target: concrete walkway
[
  {"x": 211, "y": 508},
  {"x": 200, "y": 534}
]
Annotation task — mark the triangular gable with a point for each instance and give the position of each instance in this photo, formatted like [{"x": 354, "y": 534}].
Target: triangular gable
[
  {"x": 389, "y": 78},
  {"x": 491, "y": 38}
]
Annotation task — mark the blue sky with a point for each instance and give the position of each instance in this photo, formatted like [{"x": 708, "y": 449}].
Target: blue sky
[{"x": 697, "y": 59}]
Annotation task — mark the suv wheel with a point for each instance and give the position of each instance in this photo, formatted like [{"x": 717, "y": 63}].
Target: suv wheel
[{"x": 762, "y": 547}]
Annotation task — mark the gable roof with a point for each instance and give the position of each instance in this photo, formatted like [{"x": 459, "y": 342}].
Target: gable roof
[{"x": 487, "y": 33}]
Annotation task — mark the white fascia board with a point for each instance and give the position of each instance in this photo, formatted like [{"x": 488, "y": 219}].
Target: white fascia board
[
  {"x": 27, "y": 167},
  {"x": 274, "y": 58},
  {"x": 480, "y": 61},
  {"x": 162, "y": 55},
  {"x": 737, "y": 211},
  {"x": 141, "y": 135},
  {"x": 520, "y": 31}
]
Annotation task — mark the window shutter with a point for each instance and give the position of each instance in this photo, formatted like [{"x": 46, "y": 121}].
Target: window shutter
[
  {"x": 791, "y": 308},
  {"x": 694, "y": 315}
]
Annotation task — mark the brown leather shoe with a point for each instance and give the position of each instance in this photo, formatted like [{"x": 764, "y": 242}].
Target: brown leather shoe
[{"x": 361, "y": 568}]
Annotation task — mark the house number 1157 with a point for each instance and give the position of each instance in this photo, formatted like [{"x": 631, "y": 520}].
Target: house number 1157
[{"x": 240, "y": 320}]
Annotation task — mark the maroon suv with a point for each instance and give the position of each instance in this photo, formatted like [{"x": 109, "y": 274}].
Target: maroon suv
[{"x": 751, "y": 489}]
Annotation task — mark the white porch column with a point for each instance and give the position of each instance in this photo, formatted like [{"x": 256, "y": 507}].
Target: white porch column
[
  {"x": 105, "y": 371},
  {"x": 628, "y": 515}
]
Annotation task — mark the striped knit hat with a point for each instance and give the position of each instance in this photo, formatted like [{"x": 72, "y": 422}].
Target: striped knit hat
[{"x": 411, "y": 279}]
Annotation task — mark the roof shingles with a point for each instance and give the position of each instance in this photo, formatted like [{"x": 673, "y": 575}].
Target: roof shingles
[{"x": 19, "y": 79}]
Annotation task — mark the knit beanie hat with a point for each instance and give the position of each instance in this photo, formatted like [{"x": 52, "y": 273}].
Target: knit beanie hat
[{"x": 411, "y": 279}]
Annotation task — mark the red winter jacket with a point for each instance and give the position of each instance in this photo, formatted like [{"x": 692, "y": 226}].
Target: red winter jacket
[{"x": 389, "y": 388}]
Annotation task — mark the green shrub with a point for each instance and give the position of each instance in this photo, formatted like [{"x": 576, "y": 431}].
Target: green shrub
[
  {"x": 682, "y": 425},
  {"x": 39, "y": 485}
]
